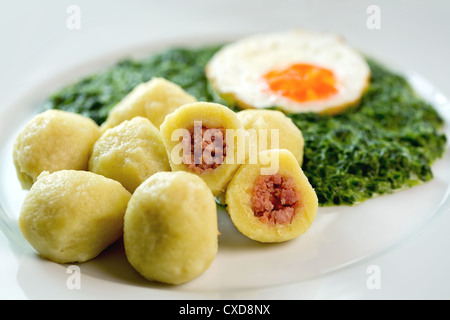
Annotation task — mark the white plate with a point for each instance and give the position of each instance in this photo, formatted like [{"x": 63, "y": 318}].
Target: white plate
[{"x": 349, "y": 252}]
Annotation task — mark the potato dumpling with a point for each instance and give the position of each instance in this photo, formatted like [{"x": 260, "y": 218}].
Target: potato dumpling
[
  {"x": 170, "y": 230},
  {"x": 206, "y": 139},
  {"x": 153, "y": 100},
  {"x": 130, "y": 153},
  {"x": 274, "y": 205},
  {"x": 71, "y": 216},
  {"x": 53, "y": 140},
  {"x": 260, "y": 124}
]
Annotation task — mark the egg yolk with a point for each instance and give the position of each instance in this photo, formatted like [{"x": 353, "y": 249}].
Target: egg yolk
[{"x": 302, "y": 82}]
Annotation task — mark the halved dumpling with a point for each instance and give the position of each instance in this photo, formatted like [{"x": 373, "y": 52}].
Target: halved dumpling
[
  {"x": 153, "y": 100},
  {"x": 130, "y": 153},
  {"x": 272, "y": 124},
  {"x": 272, "y": 200},
  {"x": 206, "y": 139},
  {"x": 170, "y": 228},
  {"x": 53, "y": 140},
  {"x": 72, "y": 216}
]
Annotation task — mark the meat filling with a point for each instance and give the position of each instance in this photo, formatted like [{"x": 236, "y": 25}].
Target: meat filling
[
  {"x": 207, "y": 148},
  {"x": 274, "y": 199}
]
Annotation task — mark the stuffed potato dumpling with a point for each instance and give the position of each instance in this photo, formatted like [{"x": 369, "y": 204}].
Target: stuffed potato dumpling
[
  {"x": 53, "y": 140},
  {"x": 273, "y": 206},
  {"x": 153, "y": 100},
  {"x": 261, "y": 123},
  {"x": 206, "y": 139},
  {"x": 130, "y": 153},
  {"x": 72, "y": 216},
  {"x": 170, "y": 230}
]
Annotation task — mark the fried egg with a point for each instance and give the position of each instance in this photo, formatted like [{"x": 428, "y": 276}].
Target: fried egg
[{"x": 296, "y": 71}]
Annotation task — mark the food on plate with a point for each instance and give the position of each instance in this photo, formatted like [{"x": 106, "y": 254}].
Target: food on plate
[
  {"x": 296, "y": 71},
  {"x": 153, "y": 99},
  {"x": 261, "y": 124},
  {"x": 206, "y": 139},
  {"x": 170, "y": 229},
  {"x": 272, "y": 206},
  {"x": 158, "y": 141},
  {"x": 72, "y": 216},
  {"x": 130, "y": 153},
  {"x": 53, "y": 140},
  {"x": 387, "y": 142}
]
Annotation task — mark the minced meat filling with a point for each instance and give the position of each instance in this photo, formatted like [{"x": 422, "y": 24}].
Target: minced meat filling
[
  {"x": 207, "y": 148},
  {"x": 274, "y": 199}
]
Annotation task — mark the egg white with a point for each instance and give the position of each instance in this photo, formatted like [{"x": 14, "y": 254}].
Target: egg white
[{"x": 236, "y": 71}]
